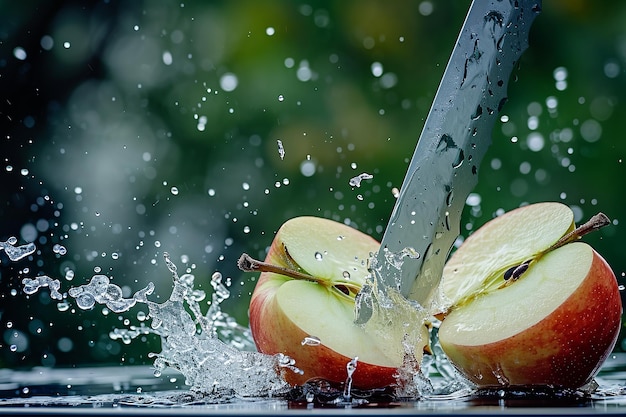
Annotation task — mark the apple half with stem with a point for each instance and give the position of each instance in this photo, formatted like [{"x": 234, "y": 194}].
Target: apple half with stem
[
  {"x": 525, "y": 305},
  {"x": 304, "y": 301}
]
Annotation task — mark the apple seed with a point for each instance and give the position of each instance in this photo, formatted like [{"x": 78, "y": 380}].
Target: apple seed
[
  {"x": 515, "y": 272},
  {"x": 594, "y": 223}
]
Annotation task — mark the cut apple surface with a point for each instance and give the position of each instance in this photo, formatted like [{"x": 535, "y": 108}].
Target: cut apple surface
[
  {"x": 500, "y": 244},
  {"x": 526, "y": 305},
  {"x": 303, "y": 305}
]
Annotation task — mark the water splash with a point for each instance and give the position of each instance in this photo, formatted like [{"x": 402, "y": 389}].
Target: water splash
[
  {"x": 281, "y": 149},
  {"x": 396, "y": 259},
  {"x": 350, "y": 368},
  {"x": 101, "y": 291},
  {"x": 15, "y": 253},
  {"x": 215, "y": 354},
  {"x": 356, "y": 181},
  {"x": 31, "y": 286}
]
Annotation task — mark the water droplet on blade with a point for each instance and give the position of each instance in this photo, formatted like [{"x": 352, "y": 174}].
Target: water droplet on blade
[{"x": 459, "y": 160}]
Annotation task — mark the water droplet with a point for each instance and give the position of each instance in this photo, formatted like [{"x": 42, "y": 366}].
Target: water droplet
[
  {"x": 495, "y": 17},
  {"x": 356, "y": 181},
  {"x": 318, "y": 256},
  {"x": 445, "y": 142},
  {"x": 377, "y": 69},
  {"x": 308, "y": 168},
  {"x": 473, "y": 200},
  {"x": 167, "y": 58},
  {"x": 501, "y": 103},
  {"x": 19, "y": 53},
  {"x": 229, "y": 82},
  {"x": 351, "y": 366},
  {"x": 174, "y": 190},
  {"x": 281, "y": 98},
  {"x": 346, "y": 274},
  {"x": 69, "y": 275},
  {"x": 477, "y": 113},
  {"x": 450, "y": 198},
  {"x": 459, "y": 160},
  {"x": 60, "y": 249},
  {"x": 281, "y": 149},
  {"x": 311, "y": 341}
]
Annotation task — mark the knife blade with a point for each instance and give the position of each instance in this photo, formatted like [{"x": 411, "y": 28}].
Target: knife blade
[{"x": 425, "y": 221}]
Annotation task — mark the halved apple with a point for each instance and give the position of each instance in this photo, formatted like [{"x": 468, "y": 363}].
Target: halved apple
[
  {"x": 526, "y": 305},
  {"x": 303, "y": 306}
]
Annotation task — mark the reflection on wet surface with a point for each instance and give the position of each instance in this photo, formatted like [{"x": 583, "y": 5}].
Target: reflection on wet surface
[{"x": 134, "y": 388}]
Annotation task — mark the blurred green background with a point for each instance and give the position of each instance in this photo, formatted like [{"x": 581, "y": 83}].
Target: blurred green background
[{"x": 134, "y": 128}]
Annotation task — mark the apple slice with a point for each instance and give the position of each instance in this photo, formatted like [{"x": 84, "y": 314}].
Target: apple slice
[
  {"x": 526, "y": 305},
  {"x": 303, "y": 306}
]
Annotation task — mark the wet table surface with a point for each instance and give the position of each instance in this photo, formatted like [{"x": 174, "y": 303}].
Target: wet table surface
[{"x": 134, "y": 390}]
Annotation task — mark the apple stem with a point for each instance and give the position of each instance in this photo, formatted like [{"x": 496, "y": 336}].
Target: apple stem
[
  {"x": 596, "y": 222},
  {"x": 248, "y": 264}
]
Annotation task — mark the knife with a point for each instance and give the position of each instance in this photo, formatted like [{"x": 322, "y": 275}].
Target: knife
[{"x": 425, "y": 221}]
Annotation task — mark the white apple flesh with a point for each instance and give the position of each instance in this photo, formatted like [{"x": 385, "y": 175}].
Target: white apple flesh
[
  {"x": 551, "y": 323},
  {"x": 285, "y": 309}
]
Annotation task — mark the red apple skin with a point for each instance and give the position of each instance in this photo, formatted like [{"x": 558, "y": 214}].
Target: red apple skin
[
  {"x": 565, "y": 349},
  {"x": 273, "y": 332}
]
